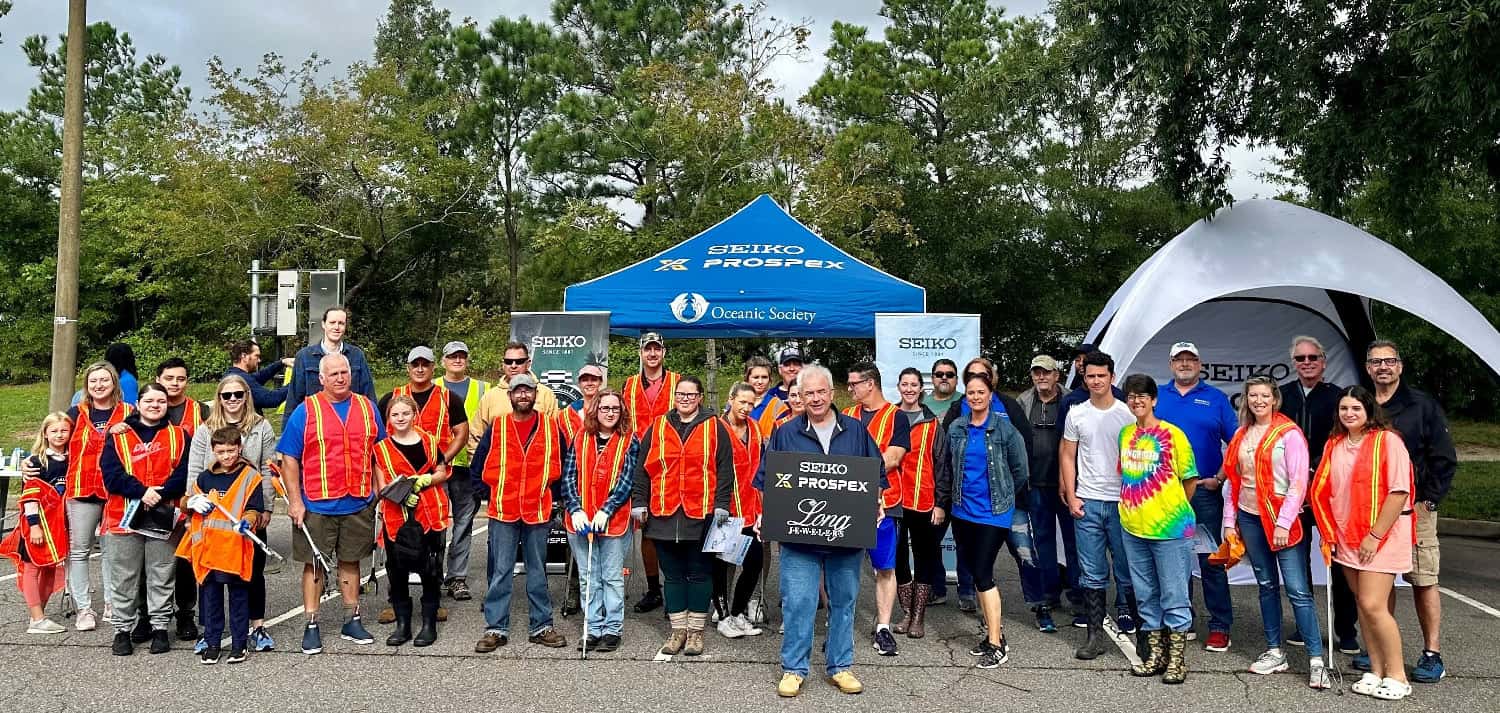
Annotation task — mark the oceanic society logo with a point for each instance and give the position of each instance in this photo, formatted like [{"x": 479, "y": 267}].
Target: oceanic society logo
[{"x": 689, "y": 307}]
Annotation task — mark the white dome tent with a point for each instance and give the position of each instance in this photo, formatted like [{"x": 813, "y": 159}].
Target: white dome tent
[{"x": 1243, "y": 283}]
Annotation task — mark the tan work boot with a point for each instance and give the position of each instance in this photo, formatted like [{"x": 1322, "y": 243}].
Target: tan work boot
[
  {"x": 790, "y": 686},
  {"x": 693, "y": 646},
  {"x": 846, "y": 682},
  {"x": 678, "y": 639}
]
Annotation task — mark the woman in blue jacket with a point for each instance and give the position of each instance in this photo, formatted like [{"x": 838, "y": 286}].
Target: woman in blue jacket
[{"x": 985, "y": 491}]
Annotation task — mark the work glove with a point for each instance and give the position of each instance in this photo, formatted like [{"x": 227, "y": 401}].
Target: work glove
[
  {"x": 600, "y": 523},
  {"x": 422, "y": 482},
  {"x": 639, "y": 513},
  {"x": 720, "y": 515},
  {"x": 413, "y": 499},
  {"x": 199, "y": 503},
  {"x": 244, "y": 526},
  {"x": 580, "y": 522}
]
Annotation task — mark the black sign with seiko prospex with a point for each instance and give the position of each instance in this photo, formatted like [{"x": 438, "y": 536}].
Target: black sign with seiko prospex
[{"x": 817, "y": 499}]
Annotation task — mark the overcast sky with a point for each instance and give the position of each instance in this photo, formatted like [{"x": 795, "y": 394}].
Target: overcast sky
[{"x": 189, "y": 32}]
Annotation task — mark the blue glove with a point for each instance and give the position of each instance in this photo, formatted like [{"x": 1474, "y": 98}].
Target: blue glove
[{"x": 243, "y": 527}]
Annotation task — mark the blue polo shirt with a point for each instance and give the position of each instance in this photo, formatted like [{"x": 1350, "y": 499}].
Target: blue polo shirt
[
  {"x": 1205, "y": 416},
  {"x": 291, "y": 445}
]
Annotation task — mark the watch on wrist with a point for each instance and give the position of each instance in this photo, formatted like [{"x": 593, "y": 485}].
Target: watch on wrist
[{"x": 1431, "y": 506}]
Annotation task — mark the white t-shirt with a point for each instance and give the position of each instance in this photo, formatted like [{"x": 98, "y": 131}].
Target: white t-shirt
[{"x": 1097, "y": 433}]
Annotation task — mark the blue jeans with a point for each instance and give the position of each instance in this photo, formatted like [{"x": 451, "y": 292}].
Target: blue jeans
[
  {"x": 1101, "y": 548},
  {"x": 801, "y": 570},
  {"x": 1049, "y": 519},
  {"x": 504, "y": 536},
  {"x": 1022, "y": 545},
  {"x": 1208, "y": 509},
  {"x": 1292, "y": 563},
  {"x": 601, "y": 582},
  {"x": 1159, "y": 570}
]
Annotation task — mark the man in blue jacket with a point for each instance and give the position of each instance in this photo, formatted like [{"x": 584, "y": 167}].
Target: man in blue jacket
[
  {"x": 820, "y": 429},
  {"x": 1208, "y": 420},
  {"x": 305, "y": 369},
  {"x": 244, "y": 359}
]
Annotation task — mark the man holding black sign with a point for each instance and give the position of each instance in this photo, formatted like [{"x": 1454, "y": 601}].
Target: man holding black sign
[{"x": 820, "y": 429}]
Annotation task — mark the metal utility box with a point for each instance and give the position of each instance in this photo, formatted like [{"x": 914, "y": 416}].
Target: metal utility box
[{"x": 288, "y": 284}]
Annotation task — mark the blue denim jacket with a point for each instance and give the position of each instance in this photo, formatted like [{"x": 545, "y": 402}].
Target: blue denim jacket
[{"x": 1009, "y": 474}]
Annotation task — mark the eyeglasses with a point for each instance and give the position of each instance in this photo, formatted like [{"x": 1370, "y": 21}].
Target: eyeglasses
[
  {"x": 686, "y": 396},
  {"x": 816, "y": 392},
  {"x": 609, "y": 409},
  {"x": 1383, "y": 361},
  {"x": 1302, "y": 358},
  {"x": 853, "y": 384},
  {"x": 944, "y": 374},
  {"x": 517, "y": 362},
  {"x": 1137, "y": 397},
  {"x": 231, "y": 395}
]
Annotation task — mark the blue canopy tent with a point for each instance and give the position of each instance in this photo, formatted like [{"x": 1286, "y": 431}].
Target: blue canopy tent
[{"x": 758, "y": 272}]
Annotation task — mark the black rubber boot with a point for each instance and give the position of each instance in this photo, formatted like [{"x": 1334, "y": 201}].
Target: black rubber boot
[
  {"x": 428, "y": 635},
  {"x": 1096, "y": 644},
  {"x": 402, "y": 634}
]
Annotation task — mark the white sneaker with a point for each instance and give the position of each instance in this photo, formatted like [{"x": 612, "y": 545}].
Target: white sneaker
[
  {"x": 86, "y": 620},
  {"x": 728, "y": 629},
  {"x": 1317, "y": 674},
  {"x": 45, "y": 626},
  {"x": 745, "y": 626},
  {"x": 1272, "y": 661}
]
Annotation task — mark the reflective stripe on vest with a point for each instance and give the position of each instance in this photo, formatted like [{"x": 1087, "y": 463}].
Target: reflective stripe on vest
[
  {"x": 433, "y": 418},
  {"x": 747, "y": 454},
  {"x": 680, "y": 469},
  {"x": 882, "y": 429},
  {"x": 520, "y": 475},
  {"x": 598, "y": 476},
  {"x": 917, "y": 468},
  {"x": 213, "y": 542},
  {"x": 434, "y": 511},
  {"x": 644, "y": 414},
  {"x": 341, "y": 449},
  {"x": 85, "y": 445},
  {"x": 151, "y": 464}
]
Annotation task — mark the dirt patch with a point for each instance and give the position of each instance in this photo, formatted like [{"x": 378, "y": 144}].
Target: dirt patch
[{"x": 1473, "y": 452}]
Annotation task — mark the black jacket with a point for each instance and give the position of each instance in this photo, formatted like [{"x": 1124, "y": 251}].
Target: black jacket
[
  {"x": 678, "y": 526},
  {"x": 1424, "y": 430},
  {"x": 1315, "y": 414}
]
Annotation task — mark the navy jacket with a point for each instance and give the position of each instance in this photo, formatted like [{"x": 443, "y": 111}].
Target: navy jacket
[
  {"x": 261, "y": 396},
  {"x": 305, "y": 374}
]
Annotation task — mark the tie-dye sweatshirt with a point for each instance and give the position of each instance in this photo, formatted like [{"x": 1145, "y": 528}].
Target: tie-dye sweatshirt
[{"x": 1154, "y": 464}]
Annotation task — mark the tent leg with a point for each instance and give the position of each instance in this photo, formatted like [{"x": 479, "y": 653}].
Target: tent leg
[{"x": 713, "y": 368}]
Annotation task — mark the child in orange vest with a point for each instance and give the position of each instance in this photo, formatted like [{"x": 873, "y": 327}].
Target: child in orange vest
[
  {"x": 39, "y": 544},
  {"x": 216, "y": 546}
]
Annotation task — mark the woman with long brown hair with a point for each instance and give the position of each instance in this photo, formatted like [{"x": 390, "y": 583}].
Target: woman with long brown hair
[{"x": 597, "y": 477}]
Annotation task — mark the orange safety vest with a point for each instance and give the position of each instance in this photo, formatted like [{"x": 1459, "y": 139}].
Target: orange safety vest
[
  {"x": 683, "y": 473},
  {"x": 783, "y": 418},
  {"x": 1369, "y": 483},
  {"x": 570, "y": 420},
  {"x": 520, "y": 476},
  {"x": 597, "y": 475},
  {"x": 770, "y": 416},
  {"x": 336, "y": 452},
  {"x": 917, "y": 468},
  {"x": 53, "y": 524},
  {"x": 434, "y": 510},
  {"x": 882, "y": 427},
  {"x": 150, "y": 463},
  {"x": 85, "y": 480},
  {"x": 212, "y": 544},
  {"x": 1269, "y": 503},
  {"x": 192, "y": 416},
  {"x": 642, "y": 411},
  {"x": 434, "y": 417},
  {"x": 747, "y": 453}
]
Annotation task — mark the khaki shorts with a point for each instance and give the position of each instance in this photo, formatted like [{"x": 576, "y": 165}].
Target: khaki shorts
[
  {"x": 342, "y": 538},
  {"x": 1425, "y": 556}
]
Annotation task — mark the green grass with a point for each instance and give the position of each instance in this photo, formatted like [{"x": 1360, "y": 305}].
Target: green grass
[
  {"x": 1475, "y": 433},
  {"x": 1476, "y": 492}
]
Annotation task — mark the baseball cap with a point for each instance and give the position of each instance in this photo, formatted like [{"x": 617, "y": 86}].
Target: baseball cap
[
  {"x": 1084, "y": 348},
  {"x": 1181, "y": 347},
  {"x": 455, "y": 347},
  {"x": 790, "y": 354},
  {"x": 652, "y": 338},
  {"x": 422, "y": 352},
  {"x": 1042, "y": 361},
  {"x": 522, "y": 380},
  {"x": 591, "y": 370}
]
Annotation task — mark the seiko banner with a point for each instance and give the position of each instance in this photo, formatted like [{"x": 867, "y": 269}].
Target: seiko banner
[
  {"x": 562, "y": 343},
  {"x": 816, "y": 499},
  {"x": 917, "y": 340}
]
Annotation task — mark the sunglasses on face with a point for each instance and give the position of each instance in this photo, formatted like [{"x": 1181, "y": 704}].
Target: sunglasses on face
[
  {"x": 1303, "y": 358},
  {"x": 231, "y": 395},
  {"x": 517, "y": 362},
  {"x": 944, "y": 374}
]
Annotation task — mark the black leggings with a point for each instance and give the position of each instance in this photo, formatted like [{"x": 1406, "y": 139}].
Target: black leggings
[
  {"x": 432, "y": 575},
  {"x": 925, "y": 541},
  {"x": 750, "y": 571},
  {"x": 685, "y": 573},
  {"x": 978, "y": 546},
  {"x": 258, "y": 581}
]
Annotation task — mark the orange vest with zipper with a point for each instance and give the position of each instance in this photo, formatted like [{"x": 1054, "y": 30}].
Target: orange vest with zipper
[
  {"x": 644, "y": 411},
  {"x": 917, "y": 468},
  {"x": 520, "y": 476},
  {"x": 150, "y": 463},
  {"x": 52, "y": 522},
  {"x": 683, "y": 473},
  {"x": 335, "y": 452},
  {"x": 882, "y": 428},
  {"x": 1268, "y": 504},
  {"x": 85, "y": 480},
  {"x": 211, "y": 543},
  {"x": 434, "y": 510},
  {"x": 433, "y": 417},
  {"x": 598, "y": 473},
  {"x": 747, "y": 453}
]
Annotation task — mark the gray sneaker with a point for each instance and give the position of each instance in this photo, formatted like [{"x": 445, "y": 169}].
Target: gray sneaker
[
  {"x": 1317, "y": 674},
  {"x": 1272, "y": 661}
]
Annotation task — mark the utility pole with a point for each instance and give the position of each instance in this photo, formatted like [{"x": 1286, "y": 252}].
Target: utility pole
[{"x": 65, "y": 319}]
